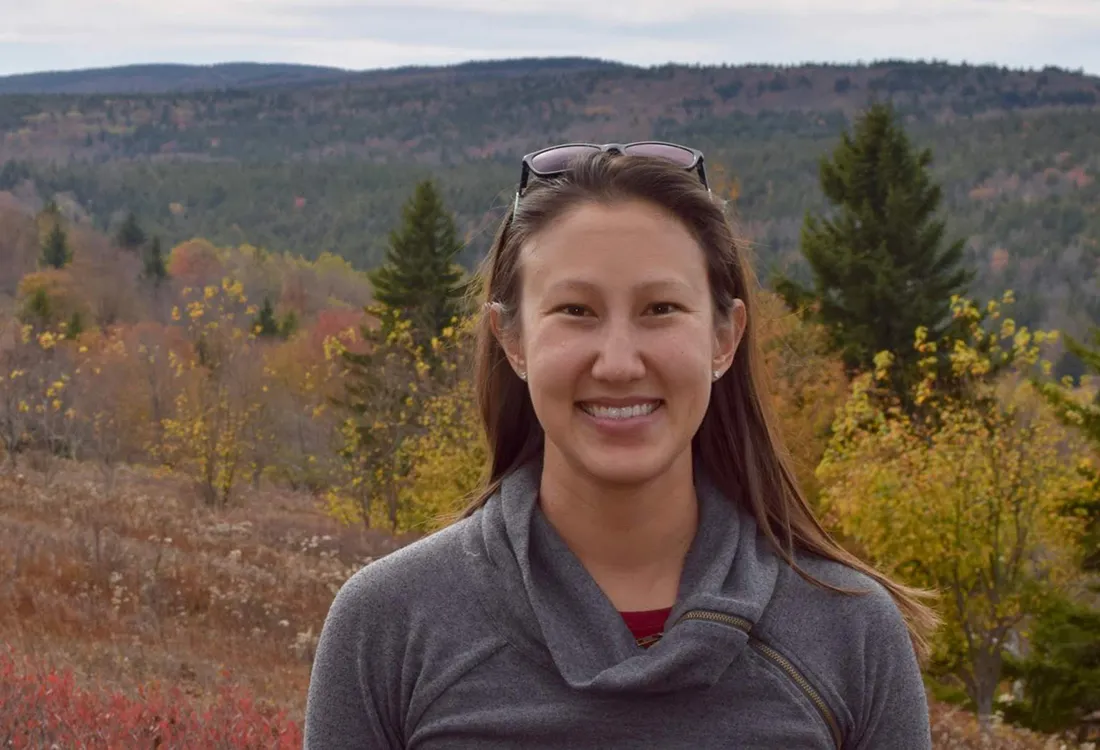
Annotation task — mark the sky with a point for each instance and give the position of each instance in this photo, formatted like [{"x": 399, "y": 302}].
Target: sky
[{"x": 38, "y": 35}]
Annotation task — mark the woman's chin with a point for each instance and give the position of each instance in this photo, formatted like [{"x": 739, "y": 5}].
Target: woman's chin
[{"x": 624, "y": 466}]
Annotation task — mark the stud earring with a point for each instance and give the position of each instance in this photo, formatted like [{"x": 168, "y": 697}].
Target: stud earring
[
  {"x": 717, "y": 374},
  {"x": 522, "y": 376}
]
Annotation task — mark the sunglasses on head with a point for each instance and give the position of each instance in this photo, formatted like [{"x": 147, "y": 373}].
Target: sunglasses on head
[{"x": 557, "y": 160}]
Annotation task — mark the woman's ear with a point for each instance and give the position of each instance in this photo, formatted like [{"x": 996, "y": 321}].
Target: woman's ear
[
  {"x": 506, "y": 333},
  {"x": 728, "y": 336}
]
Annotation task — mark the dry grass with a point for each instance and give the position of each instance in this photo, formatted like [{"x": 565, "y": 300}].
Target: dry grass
[{"x": 145, "y": 586}]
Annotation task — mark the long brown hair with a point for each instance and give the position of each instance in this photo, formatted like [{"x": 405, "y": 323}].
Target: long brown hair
[{"x": 738, "y": 442}]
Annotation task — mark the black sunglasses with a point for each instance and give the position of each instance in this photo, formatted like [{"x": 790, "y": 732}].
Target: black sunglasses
[{"x": 557, "y": 160}]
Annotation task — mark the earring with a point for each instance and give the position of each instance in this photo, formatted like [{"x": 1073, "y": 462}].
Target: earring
[
  {"x": 522, "y": 376},
  {"x": 717, "y": 374}
]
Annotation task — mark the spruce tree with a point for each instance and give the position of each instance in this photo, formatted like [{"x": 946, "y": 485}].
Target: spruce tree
[
  {"x": 264, "y": 324},
  {"x": 879, "y": 258},
  {"x": 419, "y": 278},
  {"x": 130, "y": 235},
  {"x": 55, "y": 249},
  {"x": 155, "y": 270}
]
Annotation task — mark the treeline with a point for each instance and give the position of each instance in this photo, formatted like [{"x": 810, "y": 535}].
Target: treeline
[{"x": 1022, "y": 188}]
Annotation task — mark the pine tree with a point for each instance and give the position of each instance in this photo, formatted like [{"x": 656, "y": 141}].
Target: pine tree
[
  {"x": 419, "y": 279},
  {"x": 130, "y": 235},
  {"x": 879, "y": 261},
  {"x": 155, "y": 269},
  {"x": 55, "y": 250},
  {"x": 265, "y": 324}
]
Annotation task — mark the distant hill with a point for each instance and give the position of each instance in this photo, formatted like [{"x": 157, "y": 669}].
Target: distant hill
[
  {"x": 151, "y": 79},
  {"x": 167, "y": 79},
  {"x": 309, "y": 164}
]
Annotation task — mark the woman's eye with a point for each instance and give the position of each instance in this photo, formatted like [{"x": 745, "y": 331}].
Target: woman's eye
[
  {"x": 664, "y": 308},
  {"x": 573, "y": 310}
]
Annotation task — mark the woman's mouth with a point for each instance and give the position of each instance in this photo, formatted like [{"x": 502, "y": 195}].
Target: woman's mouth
[{"x": 628, "y": 411}]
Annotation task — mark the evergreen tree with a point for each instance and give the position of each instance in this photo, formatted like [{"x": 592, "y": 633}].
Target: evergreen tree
[
  {"x": 130, "y": 235},
  {"x": 419, "y": 278},
  {"x": 155, "y": 269},
  {"x": 55, "y": 249},
  {"x": 289, "y": 324},
  {"x": 75, "y": 326},
  {"x": 264, "y": 324},
  {"x": 879, "y": 261}
]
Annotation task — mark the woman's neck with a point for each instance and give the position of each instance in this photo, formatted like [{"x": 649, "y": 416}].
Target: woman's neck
[{"x": 632, "y": 540}]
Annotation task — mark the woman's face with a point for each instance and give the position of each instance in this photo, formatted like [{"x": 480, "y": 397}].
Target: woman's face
[{"x": 618, "y": 339}]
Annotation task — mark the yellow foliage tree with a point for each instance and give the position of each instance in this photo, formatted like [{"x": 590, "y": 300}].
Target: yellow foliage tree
[
  {"x": 966, "y": 498},
  {"x": 807, "y": 381},
  {"x": 382, "y": 394},
  {"x": 448, "y": 458},
  {"x": 209, "y": 435}
]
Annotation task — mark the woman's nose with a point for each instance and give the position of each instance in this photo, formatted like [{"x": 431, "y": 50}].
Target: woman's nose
[{"x": 619, "y": 355}]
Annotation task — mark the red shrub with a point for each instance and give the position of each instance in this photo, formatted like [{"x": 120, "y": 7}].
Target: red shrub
[{"x": 44, "y": 708}]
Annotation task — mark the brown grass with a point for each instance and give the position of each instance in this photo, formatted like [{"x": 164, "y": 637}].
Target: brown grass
[{"x": 145, "y": 585}]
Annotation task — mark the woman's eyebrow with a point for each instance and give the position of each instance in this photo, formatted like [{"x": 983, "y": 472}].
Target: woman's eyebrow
[{"x": 667, "y": 285}]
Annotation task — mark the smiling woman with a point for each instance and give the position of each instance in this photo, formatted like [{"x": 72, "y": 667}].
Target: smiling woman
[{"x": 641, "y": 568}]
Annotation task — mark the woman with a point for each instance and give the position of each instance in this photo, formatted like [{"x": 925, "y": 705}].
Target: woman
[{"x": 641, "y": 569}]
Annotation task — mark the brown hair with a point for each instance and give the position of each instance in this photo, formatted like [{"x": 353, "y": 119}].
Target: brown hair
[{"x": 738, "y": 441}]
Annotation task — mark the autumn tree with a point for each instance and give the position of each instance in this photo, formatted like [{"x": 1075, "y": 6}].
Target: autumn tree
[
  {"x": 382, "y": 379},
  {"x": 808, "y": 383},
  {"x": 209, "y": 435},
  {"x": 448, "y": 456},
  {"x": 18, "y": 359},
  {"x": 965, "y": 500},
  {"x": 880, "y": 261},
  {"x": 419, "y": 278},
  {"x": 1078, "y": 405}
]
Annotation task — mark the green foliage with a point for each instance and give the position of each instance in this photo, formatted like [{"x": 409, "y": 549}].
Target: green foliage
[
  {"x": 130, "y": 235},
  {"x": 879, "y": 262},
  {"x": 1078, "y": 406},
  {"x": 154, "y": 269},
  {"x": 264, "y": 324},
  {"x": 419, "y": 278},
  {"x": 55, "y": 248},
  {"x": 75, "y": 326},
  {"x": 1061, "y": 672}
]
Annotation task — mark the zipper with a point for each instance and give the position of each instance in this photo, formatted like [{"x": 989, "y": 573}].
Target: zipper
[{"x": 776, "y": 658}]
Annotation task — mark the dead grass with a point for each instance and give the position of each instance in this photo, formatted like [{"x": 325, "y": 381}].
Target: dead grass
[{"x": 146, "y": 585}]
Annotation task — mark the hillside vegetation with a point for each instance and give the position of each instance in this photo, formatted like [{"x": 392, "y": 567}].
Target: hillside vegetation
[{"x": 322, "y": 166}]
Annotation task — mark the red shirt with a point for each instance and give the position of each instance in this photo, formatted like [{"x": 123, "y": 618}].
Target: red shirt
[{"x": 647, "y": 627}]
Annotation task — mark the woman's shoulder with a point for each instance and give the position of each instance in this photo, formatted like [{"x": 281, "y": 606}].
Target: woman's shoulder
[
  {"x": 426, "y": 572},
  {"x": 862, "y": 607},
  {"x": 850, "y": 641}
]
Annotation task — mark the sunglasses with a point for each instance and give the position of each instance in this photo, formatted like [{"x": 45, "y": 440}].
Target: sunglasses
[{"x": 557, "y": 160}]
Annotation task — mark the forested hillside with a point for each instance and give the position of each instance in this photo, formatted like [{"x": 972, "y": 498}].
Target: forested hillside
[{"x": 314, "y": 167}]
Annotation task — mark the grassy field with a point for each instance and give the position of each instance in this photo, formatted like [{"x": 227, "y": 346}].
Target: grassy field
[{"x": 137, "y": 617}]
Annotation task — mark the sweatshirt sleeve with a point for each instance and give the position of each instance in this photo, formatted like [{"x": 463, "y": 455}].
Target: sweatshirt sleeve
[
  {"x": 346, "y": 708},
  {"x": 894, "y": 711}
]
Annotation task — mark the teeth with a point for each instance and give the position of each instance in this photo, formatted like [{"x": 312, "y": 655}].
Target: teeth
[{"x": 619, "y": 412}]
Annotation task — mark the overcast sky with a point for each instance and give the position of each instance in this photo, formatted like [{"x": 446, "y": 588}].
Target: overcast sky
[{"x": 40, "y": 35}]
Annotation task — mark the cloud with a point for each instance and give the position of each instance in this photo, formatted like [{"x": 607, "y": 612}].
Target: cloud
[{"x": 53, "y": 34}]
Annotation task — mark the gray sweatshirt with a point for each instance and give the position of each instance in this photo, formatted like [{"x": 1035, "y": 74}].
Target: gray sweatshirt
[{"x": 491, "y": 634}]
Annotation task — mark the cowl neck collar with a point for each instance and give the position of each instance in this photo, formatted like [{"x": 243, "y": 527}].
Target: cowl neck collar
[{"x": 548, "y": 606}]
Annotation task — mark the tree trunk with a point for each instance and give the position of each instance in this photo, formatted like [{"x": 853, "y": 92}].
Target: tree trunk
[{"x": 987, "y": 675}]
